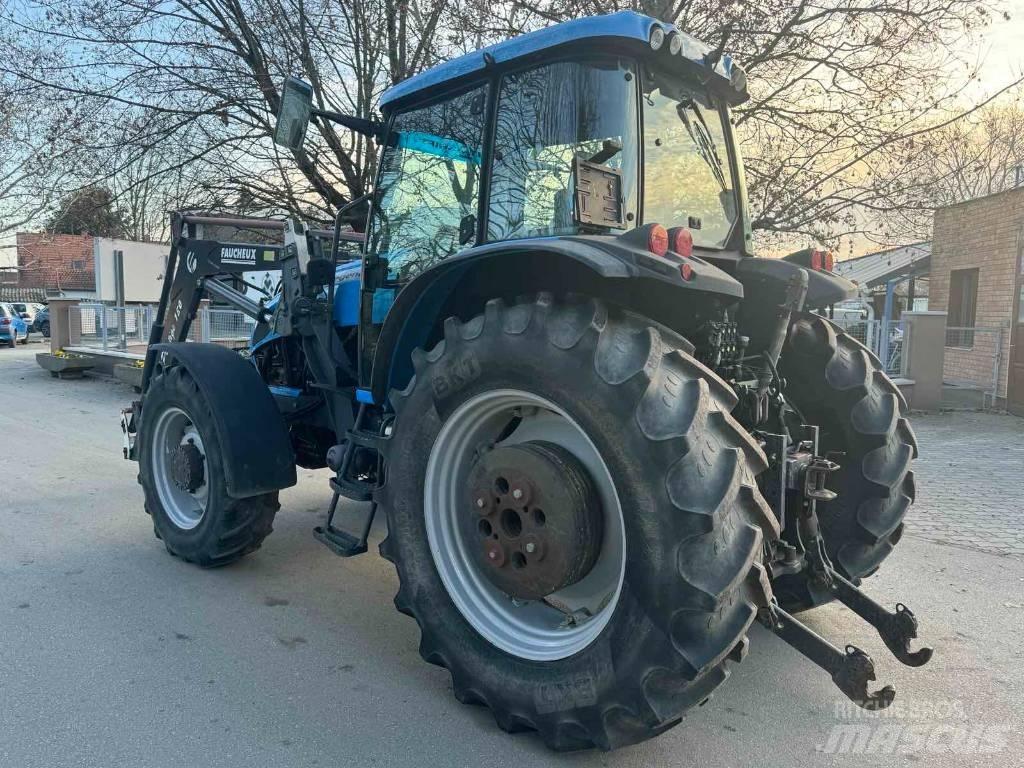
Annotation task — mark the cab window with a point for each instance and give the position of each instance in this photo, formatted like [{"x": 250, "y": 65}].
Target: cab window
[
  {"x": 429, "y": 186},
  {"x": 546, "y": 118}
]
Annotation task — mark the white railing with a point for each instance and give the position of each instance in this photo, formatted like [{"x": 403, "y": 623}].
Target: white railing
[
  {"x": 126, "y": 329},
  {"x": 887, "y": 340}
]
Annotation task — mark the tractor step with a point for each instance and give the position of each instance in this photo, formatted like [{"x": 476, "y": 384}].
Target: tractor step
[{"x": 340, "y": 541}]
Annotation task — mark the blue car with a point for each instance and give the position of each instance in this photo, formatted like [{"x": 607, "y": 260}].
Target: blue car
[{"x": 13, "y": 327}]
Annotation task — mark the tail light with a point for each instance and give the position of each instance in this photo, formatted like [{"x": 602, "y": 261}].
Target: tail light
[
  {"x": 686, "y": 271},
  {"x": 681, "y": 241},
  {"x": 657, "y": 240},
  {"x": 822, "y": 261},
  {"x": 5, "y": 321}
]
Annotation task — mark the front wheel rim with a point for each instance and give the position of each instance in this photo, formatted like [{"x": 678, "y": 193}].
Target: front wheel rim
[
  {"x": 565, "y": 622},
  {"x": 173, "y": 429}
]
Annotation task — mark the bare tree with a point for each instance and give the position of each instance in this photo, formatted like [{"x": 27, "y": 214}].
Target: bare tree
[
  {"x": 194, "y": 85},
  {"x": 843, "y": 93},
  {"x": 980, "y": 155}
]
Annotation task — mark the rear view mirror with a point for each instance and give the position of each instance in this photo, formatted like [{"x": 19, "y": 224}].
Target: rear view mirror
[{"x": 293, "y": 116}]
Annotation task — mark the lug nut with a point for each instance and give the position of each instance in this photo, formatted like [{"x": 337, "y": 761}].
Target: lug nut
[
  {"x": 493, "y": 555},
  {"x": 531, "y": 547},
  {"x": 517, "y": 494},
  {"x": 480, "y": 503}
]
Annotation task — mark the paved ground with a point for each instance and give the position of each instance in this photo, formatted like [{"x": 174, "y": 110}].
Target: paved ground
[{"x": 114, "y": 654}]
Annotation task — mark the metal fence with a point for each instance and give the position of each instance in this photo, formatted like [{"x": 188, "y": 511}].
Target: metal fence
[
  {"x": 975, "y": 360},
  {"x": 126, "y": 329},
  {"x": 887, "y": 340}
]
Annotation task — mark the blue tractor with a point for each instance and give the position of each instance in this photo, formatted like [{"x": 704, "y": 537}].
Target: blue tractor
[{"x": 606, "y": 439}]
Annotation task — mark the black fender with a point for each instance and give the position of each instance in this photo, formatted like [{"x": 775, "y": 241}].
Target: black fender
[
  {"x": 765, "y": 280},
  {"x": 258, "y": 456},
  {"x": 615, "y": 266}
]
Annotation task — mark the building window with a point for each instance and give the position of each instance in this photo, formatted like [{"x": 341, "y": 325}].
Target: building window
[
  {"x": 77, "y": 264},
  {"x": 963, "y": 304}
]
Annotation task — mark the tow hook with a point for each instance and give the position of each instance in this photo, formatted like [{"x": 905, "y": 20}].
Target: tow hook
[{"x": 815, "y": 475}]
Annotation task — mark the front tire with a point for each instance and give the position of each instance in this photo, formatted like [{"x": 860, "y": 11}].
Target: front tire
[
  {"x": 182, "y": 475},
  {"x": 692, "y": 520}
]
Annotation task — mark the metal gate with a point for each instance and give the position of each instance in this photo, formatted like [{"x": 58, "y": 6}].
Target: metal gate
[{"x": 975, "y": 361}]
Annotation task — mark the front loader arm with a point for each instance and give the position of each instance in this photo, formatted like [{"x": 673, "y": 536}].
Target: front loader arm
[{"x": 191, "y": 266}]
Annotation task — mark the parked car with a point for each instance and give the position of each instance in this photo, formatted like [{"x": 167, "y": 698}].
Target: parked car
[
  {"x": 31, "y": 309},
  {"x": 13, "y": 327},
  {"x": 41, "y": 324}
]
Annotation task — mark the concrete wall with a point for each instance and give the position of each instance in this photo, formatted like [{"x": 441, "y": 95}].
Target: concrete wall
[
  {"x": 924, "y": 337},
  {"x": 144, "y": 265},
  {"x": 981, "y": 233}
]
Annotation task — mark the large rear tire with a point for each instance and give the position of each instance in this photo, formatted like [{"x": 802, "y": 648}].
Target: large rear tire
[
  {"x": 182, "y": 475},
  {"x": 833, "y": 381},
  {"x": 692, "y": 521}
]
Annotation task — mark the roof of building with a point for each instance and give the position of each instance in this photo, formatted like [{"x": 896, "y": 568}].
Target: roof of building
[
  {"x": 9, "y": 293},
  {"x": 875, "y": 269},
  {"x": 624, "y": 25}
]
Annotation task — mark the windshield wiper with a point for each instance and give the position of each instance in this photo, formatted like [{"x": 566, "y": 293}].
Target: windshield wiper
[{"x": 703, "y": 141}]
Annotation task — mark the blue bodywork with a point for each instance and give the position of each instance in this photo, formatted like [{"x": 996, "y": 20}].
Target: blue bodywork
[{"x": 625, "y": 25}]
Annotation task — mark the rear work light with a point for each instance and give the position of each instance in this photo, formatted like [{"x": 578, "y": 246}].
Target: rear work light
[
  {"x": 675, "y": 43},
  {"x": 657, "y": 240},
  {"x": 657, "y": 37}
]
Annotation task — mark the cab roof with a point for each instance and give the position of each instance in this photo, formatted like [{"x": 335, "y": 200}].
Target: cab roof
[{"x": 625, "y": 27}]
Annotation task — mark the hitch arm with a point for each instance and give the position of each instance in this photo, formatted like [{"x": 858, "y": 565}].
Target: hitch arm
[
  {"x": 851, "y": 669},
  {"x": 896, "y": 629}
]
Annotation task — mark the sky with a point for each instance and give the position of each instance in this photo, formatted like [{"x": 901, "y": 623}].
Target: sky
[{"x": 1003, "y": 47}]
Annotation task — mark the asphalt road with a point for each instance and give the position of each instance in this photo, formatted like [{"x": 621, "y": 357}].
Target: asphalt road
[{"x": 113, "y": 653}]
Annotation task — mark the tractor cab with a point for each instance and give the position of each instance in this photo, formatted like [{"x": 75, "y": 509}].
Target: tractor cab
[{"x": 593, "y": 127}]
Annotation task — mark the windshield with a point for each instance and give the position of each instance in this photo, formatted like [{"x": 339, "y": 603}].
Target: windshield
[{"x": 687, "y": 179}]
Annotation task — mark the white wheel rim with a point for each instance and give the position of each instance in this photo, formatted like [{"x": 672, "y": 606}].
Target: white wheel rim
[
  {"x": 528, "y": 629},
  {"x": 174, "y": 428}
]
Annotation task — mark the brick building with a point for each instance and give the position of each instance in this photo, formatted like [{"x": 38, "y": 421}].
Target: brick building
[
  {"x": 59, "y": 264},
  {"x": 977, "y": 277}
]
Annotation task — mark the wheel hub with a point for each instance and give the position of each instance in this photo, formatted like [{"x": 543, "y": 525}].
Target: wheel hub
[
  {"x": 537, "y": 518},
  {"x": 187, "y": 467}
]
